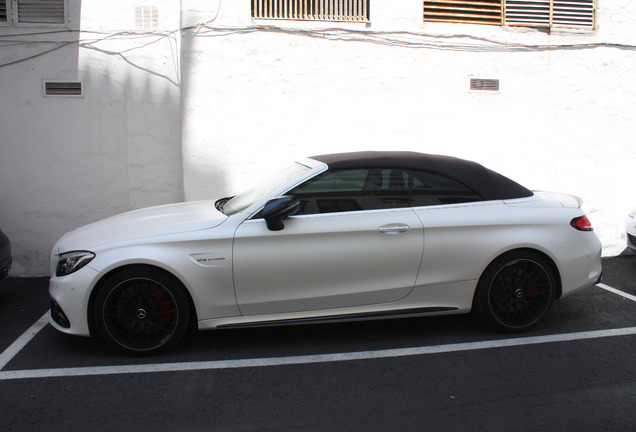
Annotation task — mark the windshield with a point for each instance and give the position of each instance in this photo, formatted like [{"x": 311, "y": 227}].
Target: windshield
[{"x": 263, "y": 189}]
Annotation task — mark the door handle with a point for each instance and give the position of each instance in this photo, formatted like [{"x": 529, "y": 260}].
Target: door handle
[{"x": 393, "y": 228}]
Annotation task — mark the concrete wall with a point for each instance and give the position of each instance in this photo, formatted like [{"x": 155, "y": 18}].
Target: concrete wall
[
  {"x": 68, "y": 161},
  {"x": 205, "y": 100}
]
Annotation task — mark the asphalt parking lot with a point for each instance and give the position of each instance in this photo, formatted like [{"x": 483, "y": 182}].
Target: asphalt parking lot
[{"x": 576, "y": 370}]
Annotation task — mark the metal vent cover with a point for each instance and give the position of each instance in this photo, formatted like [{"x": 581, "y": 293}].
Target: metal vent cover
[
  {"x": 481, "y": 84},
  {"x": 63, "y": 88}
]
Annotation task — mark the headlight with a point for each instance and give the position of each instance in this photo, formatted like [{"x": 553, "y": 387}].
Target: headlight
[{"x": 73, "y": 261}]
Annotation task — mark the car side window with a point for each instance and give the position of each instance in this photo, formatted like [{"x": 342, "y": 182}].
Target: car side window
[
  {"x": 354, "y": 190},
  {"x": 430, "y": 189}
]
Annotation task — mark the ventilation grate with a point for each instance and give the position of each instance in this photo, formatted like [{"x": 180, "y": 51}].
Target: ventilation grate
[
  {"x": 147, "y": 17},
  {"x": 480, "y": 84},
  {"x": 62, "y": 88}
]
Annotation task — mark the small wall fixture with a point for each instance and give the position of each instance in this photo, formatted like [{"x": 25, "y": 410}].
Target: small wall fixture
[
  {"x": 480, "y": 84},
  {"x": 63, "y": 88},
  {"x": 146, "y": 17}
]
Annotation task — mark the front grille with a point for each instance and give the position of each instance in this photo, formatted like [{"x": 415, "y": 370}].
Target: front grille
[
  {"x": 58, "y": 315},
  {"x": 631, "y": 241}
]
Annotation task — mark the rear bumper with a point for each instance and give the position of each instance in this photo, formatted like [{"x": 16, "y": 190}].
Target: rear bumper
[
  {"x": 580, "y": 263},
  {"x": 69, "y": 301},
  {"x": 5, "y": 255},
  {"x": 630, "y": 230}
]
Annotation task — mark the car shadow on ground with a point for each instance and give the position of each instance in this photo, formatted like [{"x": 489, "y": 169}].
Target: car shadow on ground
[{"x": 25, "y": 300}]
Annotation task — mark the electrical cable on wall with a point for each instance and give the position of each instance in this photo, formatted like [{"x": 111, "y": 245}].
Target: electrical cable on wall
[{"x": 397, "y": 39}]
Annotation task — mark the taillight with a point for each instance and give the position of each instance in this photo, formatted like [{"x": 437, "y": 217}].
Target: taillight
[{"x": 582, "y": 224}]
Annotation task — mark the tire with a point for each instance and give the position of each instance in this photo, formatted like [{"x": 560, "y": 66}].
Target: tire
[
  {"x": 516, "y": 291},
  {"x": 141, "y": 310}
]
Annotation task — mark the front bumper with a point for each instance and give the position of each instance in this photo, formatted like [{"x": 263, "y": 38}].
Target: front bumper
[{"x": 69, "y": 301}]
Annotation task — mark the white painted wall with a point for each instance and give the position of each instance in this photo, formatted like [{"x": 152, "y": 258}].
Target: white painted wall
[
  {"x": 65, "y": 162},
  {"x": 562, "y": 120},
  {"x": 209, "y": 100}
]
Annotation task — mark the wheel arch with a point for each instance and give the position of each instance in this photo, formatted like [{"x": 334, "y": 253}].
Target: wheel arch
[
  {"x": 100, "y": 283},
  {"x": 548, "y": 259}
]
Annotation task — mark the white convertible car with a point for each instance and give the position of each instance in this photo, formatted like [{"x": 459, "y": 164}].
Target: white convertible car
[{"x": 336, "y": 237}]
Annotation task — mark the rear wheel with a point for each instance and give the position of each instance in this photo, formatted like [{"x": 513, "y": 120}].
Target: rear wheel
[
  {"x": 516, "y": 291},
  {"x": 141, "y": 310}
]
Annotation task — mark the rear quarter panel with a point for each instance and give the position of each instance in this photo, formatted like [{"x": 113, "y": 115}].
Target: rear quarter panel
[{"x": 460, "y": 241}]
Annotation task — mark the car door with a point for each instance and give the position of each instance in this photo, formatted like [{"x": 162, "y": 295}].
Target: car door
[
  {"x": 356, "y": 242},
  {"x": 461, "y": 230}
]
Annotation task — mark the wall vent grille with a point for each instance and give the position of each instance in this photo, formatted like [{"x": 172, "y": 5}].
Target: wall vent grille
[
  {"x": 63, "y": 88},
  {"x": 147, "y": 17},
  {"x": 480, "y": 84}
]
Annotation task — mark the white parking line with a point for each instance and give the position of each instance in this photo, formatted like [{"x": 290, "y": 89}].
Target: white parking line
[
  {"x": 615, "y": 291},
  {"x": 8, "y": 354},
  {"x": 321, "y": 358},
  {"x": 25, "y": 338}
]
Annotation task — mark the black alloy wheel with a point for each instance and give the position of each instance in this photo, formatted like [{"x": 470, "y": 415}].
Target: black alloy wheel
[
  {"x": 143, "y": 311},
  {"x": 516, "y": 291}
]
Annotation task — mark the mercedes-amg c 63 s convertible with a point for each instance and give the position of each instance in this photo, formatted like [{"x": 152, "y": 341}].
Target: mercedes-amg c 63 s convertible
[{"x": 335, "y": 237}]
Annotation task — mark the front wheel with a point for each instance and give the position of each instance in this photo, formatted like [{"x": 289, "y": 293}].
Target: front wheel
[
  {"x": 516, "y": 291},
  {"x": 141, "y": 310}
]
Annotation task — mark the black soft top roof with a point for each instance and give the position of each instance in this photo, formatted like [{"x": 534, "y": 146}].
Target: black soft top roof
[{"x": 486, "y": 183}]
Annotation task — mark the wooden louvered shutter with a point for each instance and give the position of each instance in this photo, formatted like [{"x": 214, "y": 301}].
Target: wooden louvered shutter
[{"x": 463, "y": 11}]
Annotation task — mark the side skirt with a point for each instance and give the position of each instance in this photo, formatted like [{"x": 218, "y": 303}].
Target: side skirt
[{"x": 344, "y": 317}]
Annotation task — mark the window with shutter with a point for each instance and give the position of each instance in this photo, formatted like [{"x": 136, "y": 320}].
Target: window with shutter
[
  {"x": 41, "y": 11},
  {"x": 576, "y": 13},
  {"x": 3, "y": 11},
  {"x": 463, "y": 11},
  {"x": 317, "y": 10},
  {"x": 529, "y": 13},
  {"x": 34, "y": 12},
  {"x": 550, "y": 13}
]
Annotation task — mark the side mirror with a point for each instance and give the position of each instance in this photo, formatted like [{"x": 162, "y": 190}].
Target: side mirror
[{"x": 278, "y": 209}]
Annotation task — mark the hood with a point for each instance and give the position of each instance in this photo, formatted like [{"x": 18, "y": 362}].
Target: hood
[{"x": 148, "y": 222}]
